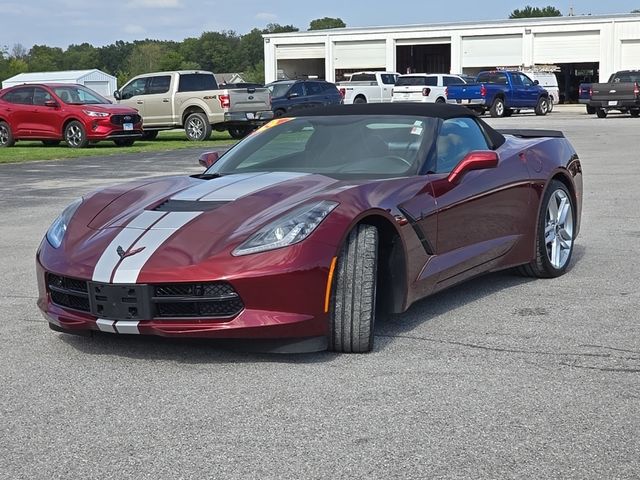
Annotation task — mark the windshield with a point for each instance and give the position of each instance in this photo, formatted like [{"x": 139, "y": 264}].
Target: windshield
[
  {"x": 343, "y": 146},
  {"x": 79, "y": 95},
  {"x": 279, "y": 89}
]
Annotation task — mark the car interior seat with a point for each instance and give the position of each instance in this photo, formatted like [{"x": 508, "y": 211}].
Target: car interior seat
[{"x": 64, "y": 96}]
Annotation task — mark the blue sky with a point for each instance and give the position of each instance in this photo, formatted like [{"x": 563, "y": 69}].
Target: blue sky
[{"x": 64, "y": 22}]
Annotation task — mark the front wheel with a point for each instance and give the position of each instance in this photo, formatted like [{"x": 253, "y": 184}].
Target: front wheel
[
  {"x": 542, "y": 107},
  {"x": 353, "y": 297},
  {"x": 124, "y": 142},
  {"x": 555, "y": 234},
  {"x": 497, "y": 108},
  {"x": 197, "y": 127},
  {"x": 75, "y": 135},
  {"x": 6, "y": 137}
]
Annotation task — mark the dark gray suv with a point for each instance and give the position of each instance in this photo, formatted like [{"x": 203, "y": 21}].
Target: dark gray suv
[{"x": 288, "y": 95}]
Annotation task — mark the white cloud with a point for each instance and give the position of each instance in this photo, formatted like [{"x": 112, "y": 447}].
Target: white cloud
[{"x": 267, "y": 17}]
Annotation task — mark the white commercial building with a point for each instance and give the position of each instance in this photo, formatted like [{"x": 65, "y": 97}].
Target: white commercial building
[
  {"x": 95, "y": 79},
  {"x": 582, "y": 48}
]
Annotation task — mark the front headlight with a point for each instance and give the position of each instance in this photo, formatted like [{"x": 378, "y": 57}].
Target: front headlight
[
  {"x": 292, "y": 228},
  {"x": 58, "y": 228},
  {"x": 93, "y": 113}
]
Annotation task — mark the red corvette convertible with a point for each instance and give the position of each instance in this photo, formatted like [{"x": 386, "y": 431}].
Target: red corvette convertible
[{"x": 306, "y": 228}]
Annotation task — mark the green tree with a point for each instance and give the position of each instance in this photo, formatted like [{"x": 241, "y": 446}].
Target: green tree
[
  {"x": 80, "y": 57},
  {"x": 277, "y": 28},
  {"x": 637, "y": 10},
  {"x": 534, "y": 12},
  {"x": 326, "y": 23},
  {"x": 45, "y": 59}
]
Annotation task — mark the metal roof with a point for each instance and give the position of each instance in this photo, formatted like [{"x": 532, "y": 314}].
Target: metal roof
[
  {"x": 63, "y": 76},
  {"x": 516, "y": 22}
]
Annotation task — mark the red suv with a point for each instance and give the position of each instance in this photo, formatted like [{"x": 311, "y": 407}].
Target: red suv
[{"x": 58, "y": 111}]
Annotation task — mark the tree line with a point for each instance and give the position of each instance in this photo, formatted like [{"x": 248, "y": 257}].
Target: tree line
[{"x": 224, "y": 51}]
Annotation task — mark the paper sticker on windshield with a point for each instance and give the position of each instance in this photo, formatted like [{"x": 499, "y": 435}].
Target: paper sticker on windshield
[
  {"x": 418, "y": 127},
  {"x": 273, "y": 123}
]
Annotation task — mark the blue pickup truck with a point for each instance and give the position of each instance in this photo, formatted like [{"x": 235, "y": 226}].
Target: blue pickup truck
[{"x": 500, "y": 92}]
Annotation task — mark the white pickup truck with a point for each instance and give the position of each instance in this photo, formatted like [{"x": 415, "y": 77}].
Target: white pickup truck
[
  {"x": 368, "y": 87},
  {"x": 424, "y": 87},
  {"x": 192, "y": 100}
]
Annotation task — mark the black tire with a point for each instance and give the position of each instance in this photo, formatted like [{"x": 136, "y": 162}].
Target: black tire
[
  {"x": 542, "y": 107},
  {"x": 601, "y": 113},
  {"x": 440, "y": 100},
  {"x": 353, "y": 296},
  {"x": 634, "y": 113},
  {"x": 550, "y": 105},
  {"x": 6, "y": 136},
  {"x": 359, "y": 99},
  {"x": 124, "y": 142},
  {"x": 239, "y": 132},
  {"x": 591, "y": 110},
  {"x": 75, "y": 135},
  {"x": 51, "y": 143},
  {"x": 149, "y": 134},
  {"x": 197, "y": 127},
  {"x": 497, "y": 108},
  {"x": 278, "y": 113},
  {"x": 508, "y": 112},
  {"x": 541, "y": 266}
]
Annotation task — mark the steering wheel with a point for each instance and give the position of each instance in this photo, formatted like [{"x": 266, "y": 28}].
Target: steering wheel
[{"x": 397, "y": 158}]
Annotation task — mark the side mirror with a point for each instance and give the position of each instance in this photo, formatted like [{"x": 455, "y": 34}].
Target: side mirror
[
  {"x": 51, "y": 103},
  {"x": 536, "y": 82},
  {"x": 476, "y": 160},
  {"x": 208, "y": 158},
  {"x": 116, "y": 95}
]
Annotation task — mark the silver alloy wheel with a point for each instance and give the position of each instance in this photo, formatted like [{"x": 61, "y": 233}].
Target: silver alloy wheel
[
  {"x": 558, "y": 231},
  {"x": 4, "y": 135},
  {"x": 74, "y": 135},
  {"x": 500, "y": 108},
  {"x": 195, "y": 128}
]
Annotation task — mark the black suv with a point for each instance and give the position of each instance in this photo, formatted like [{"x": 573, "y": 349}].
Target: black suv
[{"x": 287, "y": 95}]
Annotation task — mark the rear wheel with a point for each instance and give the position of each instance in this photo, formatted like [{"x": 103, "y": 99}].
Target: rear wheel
[
  {"x": 75, "y": 135},
  {"x": 360, "y": 99},
  {"x": 278, "y": 113},
  {"x": 635, "y": 112},
  {"x": 239, "y": 132},
  {"x": 601, "y": 113},
  {"x": 440, "y": 100},
  {"x": 124, "y": 142},
  {"x": 542, "y": 107},
  {"x": 555, "y": 237},
  {"x": 149, "y": 134},
  {"x": 550, "y": 105},
  {"x": 6, "y": 137},
  {"x": 51, "y": 143},
  {"x": 497, "y": 108},
  {"x": 197, "y": 127},
  {"x": 354, "y": 292},
  {"x": 591, "y": 110}
]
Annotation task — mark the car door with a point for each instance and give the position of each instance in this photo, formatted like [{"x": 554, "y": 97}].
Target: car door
[
  {"x": 19, "y": 110},
  {"x": 387, "y": 81},
  {"x": 483, "y": 216},
  {"x": 297, "y": 97},
  {"x": 158, "y": 108},
  {"x": 133, "y": 95},
  {"x": 47, "y": 121},
  {"x": 531, "y": 90}
]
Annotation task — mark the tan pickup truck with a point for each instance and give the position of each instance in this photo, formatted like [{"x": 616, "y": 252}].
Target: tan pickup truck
[{"x": 192, "y": 100}]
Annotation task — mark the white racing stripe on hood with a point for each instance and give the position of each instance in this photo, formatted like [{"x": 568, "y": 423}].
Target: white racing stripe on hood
[
  {"x": 110, "y": 258},
  {"x": 129, "y": 268},
  {"x": 248, "y": 186},
  {"x": 208, "y": 186}
]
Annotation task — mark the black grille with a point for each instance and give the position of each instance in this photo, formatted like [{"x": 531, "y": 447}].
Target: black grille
[
  {"x": 69, "y": 292},
  {"x": 121, "y": 119},
  {"x": 217, "y": 299}
]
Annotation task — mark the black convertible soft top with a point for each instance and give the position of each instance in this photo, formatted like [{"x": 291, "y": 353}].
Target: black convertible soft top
[{"x": 444, "y": 111}]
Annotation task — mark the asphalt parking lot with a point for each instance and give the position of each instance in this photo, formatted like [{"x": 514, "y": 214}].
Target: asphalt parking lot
[{"x": 503, "y": 377}]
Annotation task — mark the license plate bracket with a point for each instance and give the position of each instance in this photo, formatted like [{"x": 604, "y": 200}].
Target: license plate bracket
[
  {"x": 127, "y": 126},
  {"x": 120, "y": 302}
]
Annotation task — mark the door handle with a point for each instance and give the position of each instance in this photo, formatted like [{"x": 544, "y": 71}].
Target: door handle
[
  {"x": 139, "y": 102},
  {"x": 165, "y": 100}
]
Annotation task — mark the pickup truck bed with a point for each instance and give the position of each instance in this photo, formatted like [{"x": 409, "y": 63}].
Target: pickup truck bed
[{"x": 621, "y": 92}]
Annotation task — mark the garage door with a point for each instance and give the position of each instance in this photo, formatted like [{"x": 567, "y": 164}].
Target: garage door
[
  {"x": 630, "y": 55},
  {"x": 300, "y": 51},
  {"x": 100, "y": 87},
  {"x": 492, "y": 50},
  {"x": 566, "y": 47},
  {"x": 362, "y": 54}
]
